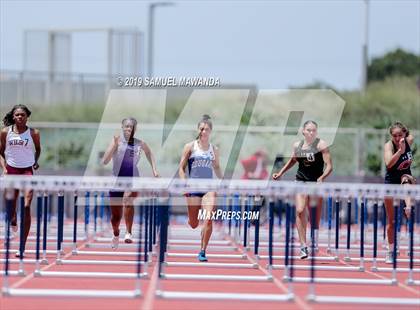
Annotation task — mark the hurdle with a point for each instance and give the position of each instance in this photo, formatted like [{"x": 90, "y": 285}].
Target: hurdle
[
  {"x": 136, "y": 292},
  {"x": 272, "y": 191}
]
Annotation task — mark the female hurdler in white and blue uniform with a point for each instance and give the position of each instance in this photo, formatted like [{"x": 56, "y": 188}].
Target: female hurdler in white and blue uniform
[
  {"x": 201, "y": 158},
  {"x": 125, "y": 151}
]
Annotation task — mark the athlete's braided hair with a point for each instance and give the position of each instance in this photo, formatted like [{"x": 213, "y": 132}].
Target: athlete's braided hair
[{"x": 8, "y": 118}]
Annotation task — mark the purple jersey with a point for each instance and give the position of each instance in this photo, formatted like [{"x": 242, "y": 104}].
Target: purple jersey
[{"x": 126, "y": 158}]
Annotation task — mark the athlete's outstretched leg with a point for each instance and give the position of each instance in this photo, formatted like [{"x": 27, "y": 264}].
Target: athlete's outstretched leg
[
  {"x": 128, "y": 214},
  {"x": 389, "y": 208},
  {"x": 194, "y": 206},
  {"x": 116, "y": 216},
  {"x": 315, "y": 202},
  {"x": 301, "y": 221},
  {"x": 27, "y": 224},
  {"x": 208, "y": 203}
]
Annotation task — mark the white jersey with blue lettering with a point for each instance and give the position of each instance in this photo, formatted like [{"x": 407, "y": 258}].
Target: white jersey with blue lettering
[
  {"x": 20, "y": 150},
  {"x": 200, "y": 162}
]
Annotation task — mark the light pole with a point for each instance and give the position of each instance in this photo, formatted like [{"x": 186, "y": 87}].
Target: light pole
[
  {"x": 151, "y": 17},
  {"x": 365, "y": 57}
]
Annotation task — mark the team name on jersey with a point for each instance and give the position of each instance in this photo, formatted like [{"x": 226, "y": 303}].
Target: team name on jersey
[
  {"x": 18, "y": 142},
  {"x": 407, "y": 160},
  {"x": 204, "y": 163}
]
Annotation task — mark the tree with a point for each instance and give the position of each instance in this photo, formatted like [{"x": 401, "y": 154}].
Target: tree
[{"x": 398, "y": 62}]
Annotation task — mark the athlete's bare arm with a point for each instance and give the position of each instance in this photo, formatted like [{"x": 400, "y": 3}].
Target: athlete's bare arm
[
  {"x": 410, "y": 140},
  {"x": 110, "y": 150},
  {"x": 290, "y": 163},
  {"x": 3, "y": 135},
  {"x": 389, "y": 158},
  {"x": 150, "y": 158},
  {"x": 326, "y": 156},
  {"x": 36, "y": 137},
  {"x": 216, "y": 163},
  {"x": 186, "y": 152}
]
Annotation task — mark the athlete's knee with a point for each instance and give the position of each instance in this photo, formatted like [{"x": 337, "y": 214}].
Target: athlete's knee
[
  {"x": 193, "y": 224},
  {"x": 300, "y": 210},
  {"x": 128, "y": 207},
  {"x": 208, "y": 223},
  {"x": 127, "y": 202},
  {"x": 29, "y": 195}
]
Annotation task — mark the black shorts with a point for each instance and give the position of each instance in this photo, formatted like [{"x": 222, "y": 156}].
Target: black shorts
[
  {"x": 116, "y": 194},
  {"x": 196, "y": 194}
]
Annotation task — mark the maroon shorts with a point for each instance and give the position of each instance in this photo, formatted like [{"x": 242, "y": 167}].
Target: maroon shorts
[{"x": 21, "y": 171}]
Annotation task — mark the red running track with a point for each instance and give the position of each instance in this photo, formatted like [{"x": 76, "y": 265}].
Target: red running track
[{"x": 149, "y": 285}]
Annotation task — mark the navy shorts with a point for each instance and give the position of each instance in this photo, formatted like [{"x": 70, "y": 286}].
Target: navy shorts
[
  {"x": 116, "y": 194},
  {"x": 196, "y": 194}
]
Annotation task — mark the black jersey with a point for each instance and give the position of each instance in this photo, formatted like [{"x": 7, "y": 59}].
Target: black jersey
[
  {"x": 311, "y": 162},
  {"x": 402, "y": 166}
]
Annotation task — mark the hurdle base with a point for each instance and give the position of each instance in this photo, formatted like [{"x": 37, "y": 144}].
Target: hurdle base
[
  {"x": 5, "y": 292},
  {"x": 311, "y": 298},
  {"x": 347, "y": 259},
  {"x": 410, "y": 282},
  {"x": 44, "y": 262}
]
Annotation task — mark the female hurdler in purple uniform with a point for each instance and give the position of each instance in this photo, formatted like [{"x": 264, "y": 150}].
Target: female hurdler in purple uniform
[{"x": 125, "y": 150}]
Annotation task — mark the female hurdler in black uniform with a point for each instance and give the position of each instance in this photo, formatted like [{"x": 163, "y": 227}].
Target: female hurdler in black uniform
[
  {"x": 398, "y": 159},
  {"x": 312, "y": 154}
]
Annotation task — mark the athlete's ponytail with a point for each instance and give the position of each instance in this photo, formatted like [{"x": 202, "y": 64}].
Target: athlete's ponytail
[
  {"x": 205, "y": 119},
  {"x": 400, "y": 125},
  {"x": 8, "y": 118}
]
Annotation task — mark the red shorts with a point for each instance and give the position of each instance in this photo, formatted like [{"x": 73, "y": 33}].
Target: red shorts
[{"x": 21, "y": 171}]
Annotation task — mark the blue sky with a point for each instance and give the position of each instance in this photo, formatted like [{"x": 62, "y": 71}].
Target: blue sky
[{"x": 274, "y": 44}]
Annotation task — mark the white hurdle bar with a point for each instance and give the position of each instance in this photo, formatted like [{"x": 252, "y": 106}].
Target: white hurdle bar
[
  {"x": 318, "y": 258},
  {"x": 12, "y": 273},
  {"x": 106, "y": 253},
  {"x": 365, "y": 300},
  {"x": 95, "y": 275},
  {"x": 212, "y": 265},
  {"x": 223, "y": 296},
  {"x": 342, "y": 281},
  {"x": 12, "y": 251},
  {"x": 319, "y": 268},
  {"x": 240, "y": 256},
  {"x": 171, "y": 241},
  {"x": 216, "y": 248},
  {"x": 99, "y": 262},
  {"x": 21, "y": 292},
  {"x": 217, "y": 277}
]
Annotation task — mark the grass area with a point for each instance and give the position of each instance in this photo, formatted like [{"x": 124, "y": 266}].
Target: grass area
[{"x": 396, "y": 98}]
